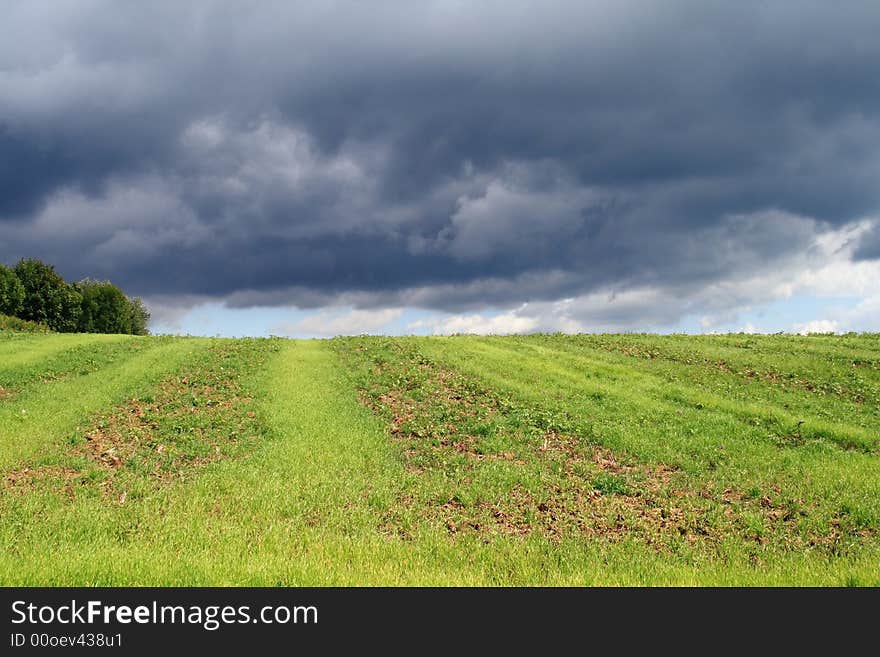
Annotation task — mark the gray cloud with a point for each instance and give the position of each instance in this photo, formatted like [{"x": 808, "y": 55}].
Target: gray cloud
[
  {"x": 445, "y": 155},
  {"x": 868, "y": 247}
]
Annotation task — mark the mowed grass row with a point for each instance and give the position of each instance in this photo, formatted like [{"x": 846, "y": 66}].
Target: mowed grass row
[
  {"x": 744, "y": 371},
  {"x": 46, "y": 411},
  {"x": 845, "y": 366},
  {"x": 182, "y": 410},
  {"x": 471, "y": 461},
  {"x": 539, "y": 443},
  {"x": 787, "y": 410},
  {"x": 676, "y": 413},
  {"x": 299, "y": 506},
  {"x": 62, "y": 356},
  {"x": 753, "y": 445},
  {"x": 18, "y": 350}
]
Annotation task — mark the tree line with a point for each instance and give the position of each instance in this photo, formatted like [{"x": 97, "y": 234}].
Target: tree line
[{"x": 34, "y": 291}]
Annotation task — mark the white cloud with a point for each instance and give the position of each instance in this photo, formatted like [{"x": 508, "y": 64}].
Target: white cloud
[
  {"x": 826, "y": 270},
  {"x": 817, "y": 326},
  {"x": 832, "y": 272},
  {"x": 865, "y": 316},
  {"x": 506, "y": 323},
  {"x": 329, "y": 323}
]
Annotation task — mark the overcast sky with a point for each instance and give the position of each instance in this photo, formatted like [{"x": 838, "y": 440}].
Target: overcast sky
[{"x": 314, "y": 168}]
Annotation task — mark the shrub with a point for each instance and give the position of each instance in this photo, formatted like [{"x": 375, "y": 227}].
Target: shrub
[
  {"x": 138, "y": 316},
  {"x": 8, "y": 323},
  {"x": 104, "y": 308},
  {"x": 33, "y": 291},
  {"x": 11, "y": 292},
  {"x": 48, "y": 298}
]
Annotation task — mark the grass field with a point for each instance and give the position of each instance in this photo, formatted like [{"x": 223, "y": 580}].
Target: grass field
[{"x": 538, "y": 460}]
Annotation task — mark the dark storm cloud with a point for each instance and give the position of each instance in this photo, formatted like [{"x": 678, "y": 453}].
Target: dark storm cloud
[
  {"x": 440, "y": 154},
  {"x": 868, "y": 247}
]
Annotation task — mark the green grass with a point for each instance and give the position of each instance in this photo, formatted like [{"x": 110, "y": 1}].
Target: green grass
[{"x": 557, "y": 460}]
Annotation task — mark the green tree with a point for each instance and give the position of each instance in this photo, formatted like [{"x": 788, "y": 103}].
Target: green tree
[
  {"x": 104, "y": 308},
  {"x": 48, "y": 298},
  {"x": 138, "y": 316},
  {"x": 11, "y": 292}
]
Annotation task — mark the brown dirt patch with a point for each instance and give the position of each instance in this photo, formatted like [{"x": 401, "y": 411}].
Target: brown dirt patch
[
  {"x": 24, "y": 480},
  {"x": 134, "y": 432},
  {"x": 405, "y": 413}
]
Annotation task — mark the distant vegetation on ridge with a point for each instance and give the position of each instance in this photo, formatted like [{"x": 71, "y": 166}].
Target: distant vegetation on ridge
[{"x": 33, "y": 291}]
